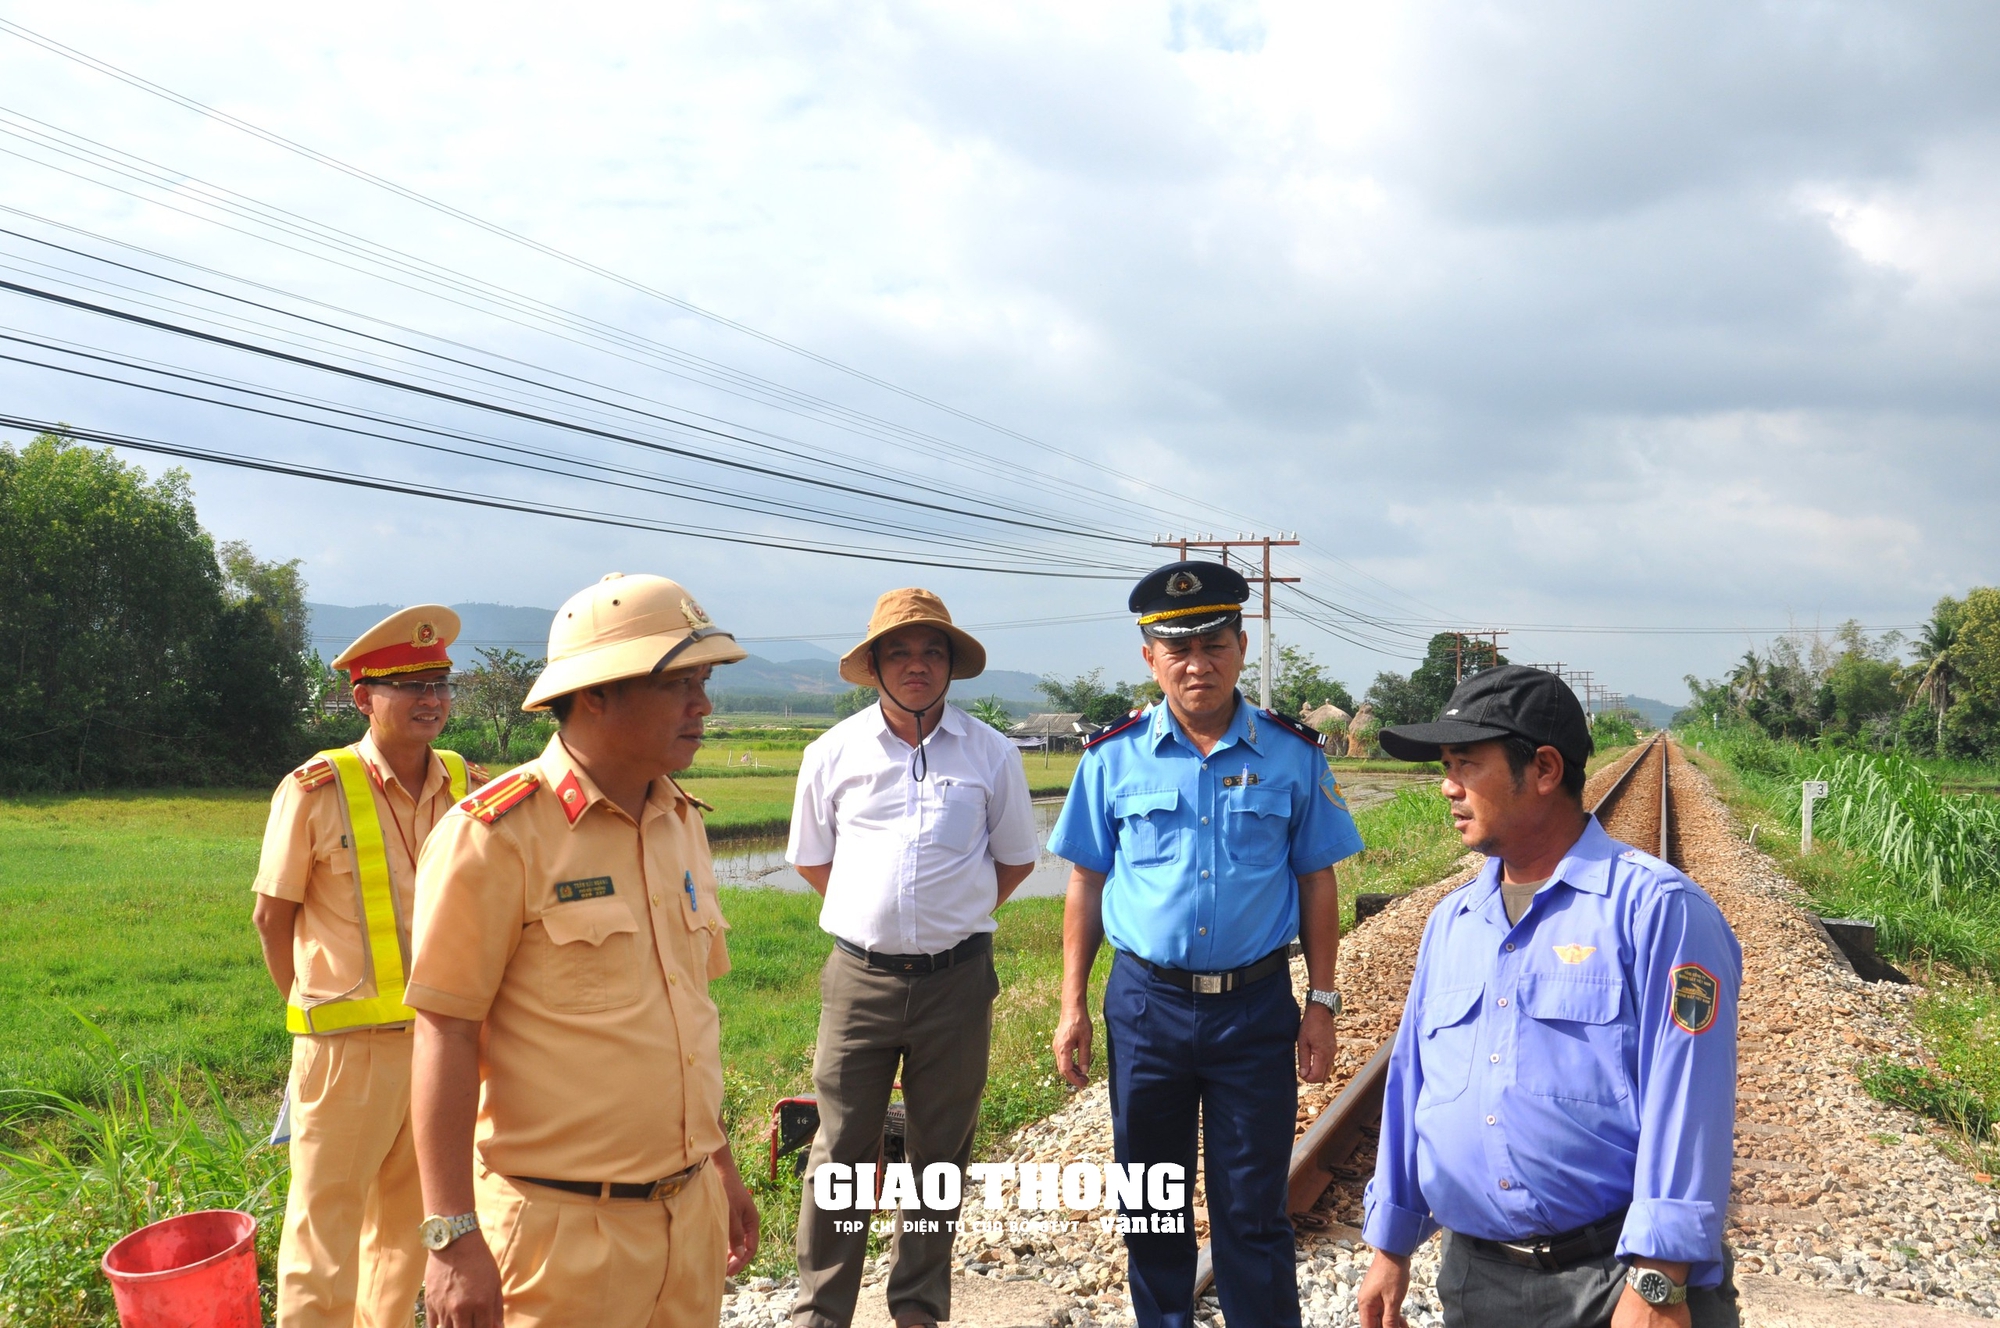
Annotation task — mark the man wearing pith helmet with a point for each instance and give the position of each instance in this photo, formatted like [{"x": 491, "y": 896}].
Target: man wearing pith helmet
[
  {"x": 1204, "y": 833},
  {"x": 913, "y": 820},
  {"x": 334, "y": 890},
  {"x": 568, "y": 1085}
]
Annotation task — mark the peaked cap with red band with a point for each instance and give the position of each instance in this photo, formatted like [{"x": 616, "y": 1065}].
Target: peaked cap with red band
[{"x": 409, "y": 640}]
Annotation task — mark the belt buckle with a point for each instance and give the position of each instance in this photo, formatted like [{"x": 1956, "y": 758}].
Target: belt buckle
[
  {"x": 1208, "y": 984},
  {"x": 1538, "y": 1255}
]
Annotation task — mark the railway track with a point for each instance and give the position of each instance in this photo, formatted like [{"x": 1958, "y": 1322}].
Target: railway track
[{"x": 1636, "y": 808}]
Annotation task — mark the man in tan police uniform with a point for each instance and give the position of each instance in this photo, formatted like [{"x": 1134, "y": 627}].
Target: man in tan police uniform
[
  {"x": 333, "y": 911},
  {"x": 566, "y": 933}
]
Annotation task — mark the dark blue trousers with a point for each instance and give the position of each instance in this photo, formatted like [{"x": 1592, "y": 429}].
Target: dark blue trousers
[{"x": 1227, "y": 1061}]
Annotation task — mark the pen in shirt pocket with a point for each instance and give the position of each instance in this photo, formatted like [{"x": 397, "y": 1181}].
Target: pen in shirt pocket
[{"x": 687, "y": 883}]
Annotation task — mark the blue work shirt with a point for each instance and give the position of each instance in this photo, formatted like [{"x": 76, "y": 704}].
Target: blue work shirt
[
  {"x": 1202, "y": 854},
  {"x": 1550, "y": 1072}
]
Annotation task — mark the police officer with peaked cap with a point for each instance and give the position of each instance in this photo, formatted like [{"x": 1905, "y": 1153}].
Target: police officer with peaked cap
[
  {"x": 1561, "y": 1094},
  {"x": 1204, "y": 834}
]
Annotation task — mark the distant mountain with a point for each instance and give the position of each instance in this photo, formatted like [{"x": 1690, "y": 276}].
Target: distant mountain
[
  {"x": 776, "y": 668},
  {"x": 783, "y": 652},
  {"x": 1656, "y": 713}
]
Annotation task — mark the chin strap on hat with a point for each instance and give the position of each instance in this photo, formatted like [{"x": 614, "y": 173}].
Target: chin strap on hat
[{"x": 921, "y": 756}]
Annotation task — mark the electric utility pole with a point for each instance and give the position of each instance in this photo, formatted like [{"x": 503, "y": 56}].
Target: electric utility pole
[
  {"x": 1490, "y": 639},
  {"x": 1250, "y": 573}
]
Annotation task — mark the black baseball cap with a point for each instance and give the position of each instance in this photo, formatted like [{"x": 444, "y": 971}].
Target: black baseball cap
[{"x": 1510, "y": 701}]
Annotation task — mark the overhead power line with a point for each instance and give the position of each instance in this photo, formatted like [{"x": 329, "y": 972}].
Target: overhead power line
[{"x": 353, "y": 479}]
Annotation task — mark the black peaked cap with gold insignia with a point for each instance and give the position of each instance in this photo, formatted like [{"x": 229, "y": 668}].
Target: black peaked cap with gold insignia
[{"x": 1188, "y": 599}]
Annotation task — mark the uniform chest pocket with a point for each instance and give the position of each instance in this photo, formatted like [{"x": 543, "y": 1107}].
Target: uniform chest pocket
[
  {"x": 1257, "y": 824},
  {"x": 1447, "y": 1026},
  {"x": 588, "y": 958},
  {"x": 1149, "y": 831},
  {"x": 1573, "y": 1042},
  {"x": 960, "y": 812}
]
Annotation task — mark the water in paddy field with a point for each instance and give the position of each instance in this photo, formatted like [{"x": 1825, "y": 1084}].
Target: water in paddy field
[{"x": 742, "y": 862}]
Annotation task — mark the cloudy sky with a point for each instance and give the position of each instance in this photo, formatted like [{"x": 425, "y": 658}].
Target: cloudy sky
[{"x": 1551, "y": 317}]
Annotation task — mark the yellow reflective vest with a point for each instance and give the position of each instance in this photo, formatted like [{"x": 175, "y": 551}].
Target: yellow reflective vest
[{"x": 378, "y": 905}]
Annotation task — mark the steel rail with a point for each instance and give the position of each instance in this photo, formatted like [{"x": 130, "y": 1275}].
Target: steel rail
[{"x": 1339, "y": 1132}]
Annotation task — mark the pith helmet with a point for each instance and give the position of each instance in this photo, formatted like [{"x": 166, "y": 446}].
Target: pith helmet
[
  {"x": 627, "y": 627},
  {"x": 407, "y": 641}
]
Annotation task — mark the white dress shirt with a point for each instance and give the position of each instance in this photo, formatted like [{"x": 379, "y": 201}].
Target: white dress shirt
[{"x": 912, "y": 862}]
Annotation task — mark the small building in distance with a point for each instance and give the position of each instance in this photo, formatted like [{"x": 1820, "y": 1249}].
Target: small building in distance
[{"x": 1050, "y": 730}]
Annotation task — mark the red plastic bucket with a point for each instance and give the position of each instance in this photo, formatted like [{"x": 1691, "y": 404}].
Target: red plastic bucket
[{"x": 198, "y": 1270}]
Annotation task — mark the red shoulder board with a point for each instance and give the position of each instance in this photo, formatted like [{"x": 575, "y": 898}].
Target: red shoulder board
[
  {"x": 502, "y": 796},
  {"x": 313, "y": 773},
  {"x": 477, "y": 774},
  {"x": 1115, "y": 729},
  {"x": 1313, "y": 736}
]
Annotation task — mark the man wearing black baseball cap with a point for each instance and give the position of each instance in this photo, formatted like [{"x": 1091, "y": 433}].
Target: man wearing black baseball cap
[{"x": 1561, "y": 1096}]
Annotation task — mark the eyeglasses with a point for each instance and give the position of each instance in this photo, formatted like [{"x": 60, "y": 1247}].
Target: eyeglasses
[{"x": 422, "y": 691}]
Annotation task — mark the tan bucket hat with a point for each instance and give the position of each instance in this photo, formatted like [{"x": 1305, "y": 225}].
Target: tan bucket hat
[
  {"x": 913, "y": 608},
  {"x": 627, "y": 627}
]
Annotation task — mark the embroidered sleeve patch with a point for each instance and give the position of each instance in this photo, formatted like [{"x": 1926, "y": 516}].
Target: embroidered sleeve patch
[
  {"x": 1331, "y": 788},
  {"x": 595, "y": 887},
  {"x": 1694, "y": 997}
]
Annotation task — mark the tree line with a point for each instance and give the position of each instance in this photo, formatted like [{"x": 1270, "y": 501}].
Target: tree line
[{"x": 1848, "y": 689}]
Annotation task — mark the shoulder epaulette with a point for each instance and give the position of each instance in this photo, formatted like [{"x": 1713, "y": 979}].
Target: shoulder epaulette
[
  {"x": 313, "y": 773},
  {"x": 502, "y": 796},
  {"x": 478, "y": 774},
  {"x": 1313, "y": 736},
  {"x": 1114, "y": 730},
  {"x": 705, "y": 806}
]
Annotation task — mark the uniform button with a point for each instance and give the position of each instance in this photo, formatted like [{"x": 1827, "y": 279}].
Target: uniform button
[
  {"x": 691, "y": 1062},
  {"x": 656, "y": 904},
  {"x": 1506, "y": 1185},
  {"x": 1495, "y": 1058},
  {"x": 1202, "y": 930},
  {"x": 674, "y": 980},
  {"x": 1490, "y": 1120},
  {"x": 1204, "y": 876},
  {"x": 1503, "y": 1002},
  {"x": 1204, "y": 820},
  {"x": 1510, "y": 944}
]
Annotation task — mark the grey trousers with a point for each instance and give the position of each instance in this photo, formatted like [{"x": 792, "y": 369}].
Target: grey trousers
[
  {"x": 1480, "y": 1290},
  {"x": 937, "y": 1028}
]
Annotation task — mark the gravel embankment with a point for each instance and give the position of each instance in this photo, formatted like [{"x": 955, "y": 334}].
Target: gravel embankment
[{"x": 1832, "y": 1188}]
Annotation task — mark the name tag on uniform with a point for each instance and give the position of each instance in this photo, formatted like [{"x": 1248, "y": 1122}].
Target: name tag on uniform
[
  {"x": 1238, "y": 781},
  {"x": 595, "y": 887}
]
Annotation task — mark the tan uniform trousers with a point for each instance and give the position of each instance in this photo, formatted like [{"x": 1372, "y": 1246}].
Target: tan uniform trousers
[
  {"x": 573, "y": 1260},
  {"x": 351, "y": 1255}
]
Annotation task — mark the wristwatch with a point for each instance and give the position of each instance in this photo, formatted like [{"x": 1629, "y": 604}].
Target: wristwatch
[
  {"x": 1655, "y": 1287},
  {"x": 1330, "y": 999},
  {"x": 442, "y": 1231}
]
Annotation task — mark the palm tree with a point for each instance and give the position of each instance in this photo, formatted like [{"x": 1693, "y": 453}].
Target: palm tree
[
  {"x": 1937, "y": 670},
  {"x": 1748, "y": 679}
]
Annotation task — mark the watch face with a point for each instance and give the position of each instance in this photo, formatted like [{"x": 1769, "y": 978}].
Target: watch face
[
  {"x": 1654, "y": 1288},
  {"x": 436, "y": 1232}
]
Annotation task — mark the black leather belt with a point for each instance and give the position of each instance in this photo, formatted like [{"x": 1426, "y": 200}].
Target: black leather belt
[
  {"x": 1210, "y": 984},
  {"x": 620, "y": 1189},
  {"x": 1552, "y": 1254},
  {"x": 979, "y": 943}
]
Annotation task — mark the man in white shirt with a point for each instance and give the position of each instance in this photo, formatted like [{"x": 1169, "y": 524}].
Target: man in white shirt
[{"x": 912, "y": 819}]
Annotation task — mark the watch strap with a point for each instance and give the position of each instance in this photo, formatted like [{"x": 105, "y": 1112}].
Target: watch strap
[{"x": 1329, "y": 999}]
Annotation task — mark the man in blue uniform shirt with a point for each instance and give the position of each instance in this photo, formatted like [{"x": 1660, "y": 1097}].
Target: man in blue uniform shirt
[
  {"x": 1204, "y": 834},
  {"x": 1561, "y": 1097}
]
